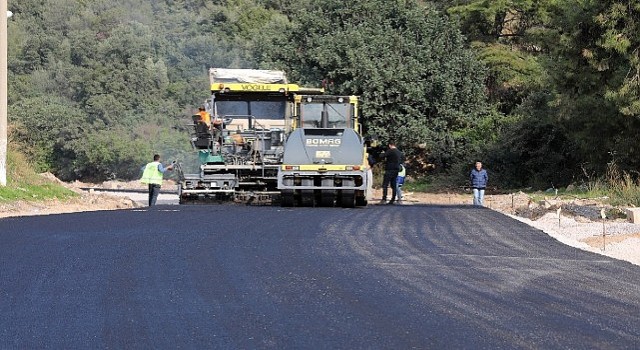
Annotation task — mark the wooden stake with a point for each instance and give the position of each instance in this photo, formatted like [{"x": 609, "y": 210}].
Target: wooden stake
[{"x": 604, "y": 231}]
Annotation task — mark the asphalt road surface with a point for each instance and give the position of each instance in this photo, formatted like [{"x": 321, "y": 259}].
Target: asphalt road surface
[{"x": 238, "y": 277}]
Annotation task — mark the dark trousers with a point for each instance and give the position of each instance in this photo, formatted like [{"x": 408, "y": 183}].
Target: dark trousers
[
  {"x": 154, "y": 191},
  {"x": 390, "y": 177}
]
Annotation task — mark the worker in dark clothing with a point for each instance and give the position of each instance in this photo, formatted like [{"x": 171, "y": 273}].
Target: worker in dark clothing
[
  {"x": 478, "y": 179},
  {"x": 392, "y": 160}
]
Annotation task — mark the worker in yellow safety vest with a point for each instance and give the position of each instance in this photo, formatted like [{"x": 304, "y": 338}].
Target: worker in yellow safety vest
[{"x": 152, "y": 175}]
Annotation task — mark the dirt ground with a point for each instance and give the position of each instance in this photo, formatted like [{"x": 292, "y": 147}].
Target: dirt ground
[
  {"x": 86, "y": 201},
  {"x": 585, "y": 214},
  {"x": 518, "y": 204},
  {"x": 93, "y": 200}
]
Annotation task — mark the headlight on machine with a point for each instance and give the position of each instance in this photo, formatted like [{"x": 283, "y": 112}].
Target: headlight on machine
[
  {"x": 291, "y": 167},
  {"x": 352, "y": 167}
]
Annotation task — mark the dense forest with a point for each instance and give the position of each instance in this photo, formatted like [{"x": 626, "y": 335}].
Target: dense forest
[{"x": 545, "y": 92}]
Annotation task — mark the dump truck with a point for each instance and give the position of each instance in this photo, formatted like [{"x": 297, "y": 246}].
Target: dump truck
[
  {"x": 325, "y": 158},
  {"x": 240, "y": 158}
]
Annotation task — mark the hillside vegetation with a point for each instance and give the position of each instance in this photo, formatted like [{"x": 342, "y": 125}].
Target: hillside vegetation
[
  {"x": 546, "y": 93},
  {"x": 23, "y": 184}
]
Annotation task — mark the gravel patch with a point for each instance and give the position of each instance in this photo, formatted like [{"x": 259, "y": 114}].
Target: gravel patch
[{"x": 615, "y": 239}]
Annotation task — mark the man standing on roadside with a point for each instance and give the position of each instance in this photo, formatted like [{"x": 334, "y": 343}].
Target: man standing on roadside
[
  {"x": 479, "y": 179},
  {"x": 393, "y": 158},
  {"x": 152, "y": 175}
]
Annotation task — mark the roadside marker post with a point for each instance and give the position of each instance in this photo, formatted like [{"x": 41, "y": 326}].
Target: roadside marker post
[{"x": 604, "y": 230}]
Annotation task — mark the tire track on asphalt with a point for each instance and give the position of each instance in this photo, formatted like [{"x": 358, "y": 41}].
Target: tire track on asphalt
[
  {"x": 267, "y": 277},
  {"x": 489, "y": 269}
]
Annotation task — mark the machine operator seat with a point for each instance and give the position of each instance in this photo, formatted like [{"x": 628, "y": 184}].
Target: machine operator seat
[{"x": 203, "y": 133}]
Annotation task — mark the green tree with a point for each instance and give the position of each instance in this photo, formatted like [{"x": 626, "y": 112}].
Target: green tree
[
  {"x": 109, "y": 154},
  {"x": 592, "y": 68},
  {"x": 618, "y": 49},
  {"x": 418, "y": 82},
  {"x": 501, "y": 32},
  {"x": 86, "y": 70},
  {"x": 45, "y": 128}
]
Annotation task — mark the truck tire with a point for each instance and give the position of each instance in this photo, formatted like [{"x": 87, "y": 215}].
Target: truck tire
[
  {"x": 286, "y": 198},
  {"x": 307, "y": 198},
  {"x": 348, "y": 198}
]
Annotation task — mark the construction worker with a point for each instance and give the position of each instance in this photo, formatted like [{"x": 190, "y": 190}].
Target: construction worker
[
  {"x": 217, "y": 122},
  {"x": 393, "y": 158},
  {"x": 217, "y": 130},
  {"x": 205, "y": 117},
  {"x": 152, "y": 175}
]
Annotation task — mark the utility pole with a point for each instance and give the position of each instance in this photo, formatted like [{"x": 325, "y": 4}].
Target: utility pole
[{"x": 3, "y": 92}]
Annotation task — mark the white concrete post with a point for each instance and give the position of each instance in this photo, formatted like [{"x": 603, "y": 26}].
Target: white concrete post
[{"x": 3, "y": 93}]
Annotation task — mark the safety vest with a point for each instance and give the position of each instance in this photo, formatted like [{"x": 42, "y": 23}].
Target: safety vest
[
  {"x": 151, "y": 174},
  {"x": 205, "y": 117},
  {"x": 401, "y": 175}
]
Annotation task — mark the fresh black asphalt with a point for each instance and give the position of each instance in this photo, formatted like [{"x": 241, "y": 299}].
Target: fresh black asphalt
[{"x": 243, "y": 277}]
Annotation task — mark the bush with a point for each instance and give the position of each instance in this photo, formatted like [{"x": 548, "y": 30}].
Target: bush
[{"x": 24, "y": 184}]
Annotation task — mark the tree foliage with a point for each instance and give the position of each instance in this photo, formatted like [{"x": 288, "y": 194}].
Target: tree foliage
[
  {"x": 115, "y": 66},
  {"x": 578, "y": 60},
  {"x": 543, "y": 90},
  {"x": 589, "y": 72},
  {"x": 88, "y": 76},
  {"x": 419, "y": 83}
]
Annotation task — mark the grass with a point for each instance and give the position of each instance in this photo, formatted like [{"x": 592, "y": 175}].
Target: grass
[
  {"x": 616, "y": 188},
  {"x": 422, "y": 184},
  {"x": 622, "y": 189},
  {"x": 418, "y": 185},
  {"x": 23, "y": 184}
]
